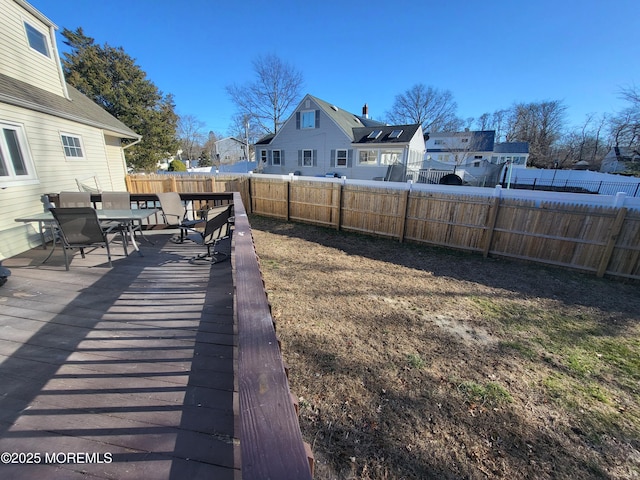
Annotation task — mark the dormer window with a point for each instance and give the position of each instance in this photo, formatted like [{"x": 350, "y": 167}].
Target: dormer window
[{"x": 37, "y": 39}]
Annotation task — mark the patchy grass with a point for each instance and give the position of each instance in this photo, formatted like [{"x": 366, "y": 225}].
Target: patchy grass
[{"x": 413, "y": 362}]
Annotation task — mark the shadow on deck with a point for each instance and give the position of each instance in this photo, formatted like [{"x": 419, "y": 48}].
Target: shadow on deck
[{"x": 123, "y": 372}]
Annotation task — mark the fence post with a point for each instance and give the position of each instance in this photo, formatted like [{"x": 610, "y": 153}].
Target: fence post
[
  {"x": 611, "y": 243},
  {"x": 493, "y": 217},
  {"x": 403, "y": 210},
  {"x": 174, "y": 184},
  {"x": 251, "y": 190},
  {"x": 288, "y": 197},
  {"x": 338, "y": 204}
]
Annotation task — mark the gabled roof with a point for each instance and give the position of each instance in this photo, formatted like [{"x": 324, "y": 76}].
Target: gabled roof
[
  {"x": 79, "y": 108},
  {"x": 479, "y": 140},
  {"x": 266, "y": 140},
  {"x": 346, "y": 121},
  {"x": 511, "y": 147},
  {"x": 383, "y": 134}
]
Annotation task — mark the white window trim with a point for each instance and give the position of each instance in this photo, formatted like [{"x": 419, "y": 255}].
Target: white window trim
[
  {"x": 376, "y": 164},
  {"x": 313, "y": 116},
  {"x": 44, "y": 34},
  {"x": 273, "y": 157},
  {"x": 72, "y": 135},
  {"x": 346, "y": 158},
  {"x": 310, "y": 157},
  {"x": 12, "y": 179},
  {"x": 264, "y": 156}
]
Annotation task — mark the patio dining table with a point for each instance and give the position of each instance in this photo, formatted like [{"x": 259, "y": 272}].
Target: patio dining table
[{"x": 124, "y": 217}]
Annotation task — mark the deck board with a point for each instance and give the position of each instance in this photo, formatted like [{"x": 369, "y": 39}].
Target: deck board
[{"x": 137, "y": 361}]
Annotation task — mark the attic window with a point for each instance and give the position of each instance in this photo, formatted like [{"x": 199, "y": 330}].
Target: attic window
[
  {"x": 395, "y": 133},
  {"x": 375, "y": 134},
  {"x": 37, "y": 40}
]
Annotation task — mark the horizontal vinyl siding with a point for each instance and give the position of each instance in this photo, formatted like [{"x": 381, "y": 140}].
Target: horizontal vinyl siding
[
  {"x": 17, "y": 58},
  {"x": 55, "y": 173}
]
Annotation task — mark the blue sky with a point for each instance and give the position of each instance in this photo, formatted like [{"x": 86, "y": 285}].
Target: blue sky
[{"x": 489, "y": 54}]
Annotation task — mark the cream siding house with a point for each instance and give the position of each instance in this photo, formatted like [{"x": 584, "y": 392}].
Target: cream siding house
[{"x": 51, "y": 136}]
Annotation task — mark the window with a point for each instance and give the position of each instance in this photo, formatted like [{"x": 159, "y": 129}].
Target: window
[
  {"x": 395, "y": 134},
  {"x": 374, "y": 134},
  {"x": 465, "y": 140},
  {"x": 438, "y": 142},
  {"x": 476, "y": 164},
  {"x": 275, "y": 159},
  {"x": 308, "y": 119},
  {"x": 37, "y": 40},
  {"x": 307, "y": 158},
  {"x": 368, "y": 157},
  {"x": 263, "y": 156},
  {"x": 72, "y": 146},
  {"x": 390, "y": 157},
  {"x": 341, "y": 158},
  {"x": 15, "y": 163}
]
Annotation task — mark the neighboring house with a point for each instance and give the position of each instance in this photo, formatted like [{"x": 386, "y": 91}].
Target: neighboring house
[
  {"x": 472, "y": 155},
  {"x": 228, "y": 151},
  {"x": 618, "y": 159},
  {"x": 321, "y": 139},
  {"x": 53, "y": 137}
]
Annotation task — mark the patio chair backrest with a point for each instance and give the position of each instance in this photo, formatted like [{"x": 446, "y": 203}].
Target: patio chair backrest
[
  {"x": 116, "y": 200},
  {"x": 74, "y": 199},
  {"x": 172, "y": 208},
  {"x": 79, "y": 226},
  {"x": 217, "y": 226}
]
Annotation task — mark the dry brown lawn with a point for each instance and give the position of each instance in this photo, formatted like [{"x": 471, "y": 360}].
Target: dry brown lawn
[{"x": 416, "y": 362}]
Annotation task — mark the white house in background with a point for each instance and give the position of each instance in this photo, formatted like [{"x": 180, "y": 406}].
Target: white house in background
[
  {"x": 321, "y": 139},
  {"x": 473, "y": 156},
  {"x": 53, "y": 137},
  {"x": 618, "y": 159},
  {"x": 230, "y": 150}
]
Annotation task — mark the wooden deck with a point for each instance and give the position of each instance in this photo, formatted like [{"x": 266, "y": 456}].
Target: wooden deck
[{"x": 123, "y": 372}]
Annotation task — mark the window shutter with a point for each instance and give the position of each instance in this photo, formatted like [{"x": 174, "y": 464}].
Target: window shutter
[
  {"x": 269, "y": 157},
  {"x": 281, "y": 157},
  {"x": 315, "y": 158},
  {"x": 317, "y": 118},
  {"x": 299, "y": 158},
  {"x": 333, "y": 159},
  {"x": 297, "y": 120},
  {"x": 350, "y": 158}
]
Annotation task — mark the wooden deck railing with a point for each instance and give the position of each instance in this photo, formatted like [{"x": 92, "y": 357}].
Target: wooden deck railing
[
  {"x": 271, "y": 443},
  {"x": 270, "y": 438}
]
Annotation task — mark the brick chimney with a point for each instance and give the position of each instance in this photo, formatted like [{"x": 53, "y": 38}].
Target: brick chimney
[{"x": 365, "y": 111}]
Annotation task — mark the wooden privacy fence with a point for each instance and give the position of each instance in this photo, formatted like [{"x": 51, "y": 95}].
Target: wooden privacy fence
[
  {"x": 188, "y": 183},
  {"x": 595, "y": 239}
]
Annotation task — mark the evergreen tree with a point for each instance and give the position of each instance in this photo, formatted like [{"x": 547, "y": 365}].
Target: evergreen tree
[{"x": 112, "y": 79}]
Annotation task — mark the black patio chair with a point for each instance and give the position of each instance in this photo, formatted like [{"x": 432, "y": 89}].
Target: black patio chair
[
  {"x": 217, "y": 228},
  {"x": 175, "y": 214},
  {"x": 80, "y": 228}
]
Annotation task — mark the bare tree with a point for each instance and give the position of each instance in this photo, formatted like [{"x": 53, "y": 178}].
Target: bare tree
[
  {"x": 191, "y": 136},
  {"x": 271, "y": 97},
  {"x": 539, "y": 124},
  {"x": 625, "y": 126},
  {"x": 434, "y": 109}
]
